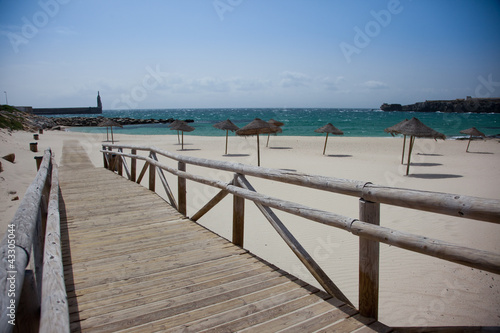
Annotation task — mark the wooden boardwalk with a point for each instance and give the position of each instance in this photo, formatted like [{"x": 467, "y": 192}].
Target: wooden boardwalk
[{"x": 134, "y": 264}]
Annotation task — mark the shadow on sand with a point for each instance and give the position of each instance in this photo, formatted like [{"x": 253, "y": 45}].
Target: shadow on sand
[
  {"x": 434, "y": 176},
  {"x": 479, "y": 152},
  {"x": 339, "y": 155},
  {"x": 236, "y": 155},
  {"x": 425, "y": 164},
  {"x": 422, "y": 154},
  {"x": 188, "y": 149},
  {"x": 280, "y": 148}
]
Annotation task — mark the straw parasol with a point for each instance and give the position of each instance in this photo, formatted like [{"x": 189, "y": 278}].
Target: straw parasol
[
  {"x": 183, "y": 127},
  {"x": 328, "y": 129},
  {"x": 256, "y": 127},
  {"x": 416, "y": 129},
  {"x": 277, "y": 124},
  {"x": 472, "y": 132},
  {"x": 174, "y": 123},
  {"x": 395, "y": 129},
  {"x": 109, "y": 123},
  {"x": 226, "y": 125}
]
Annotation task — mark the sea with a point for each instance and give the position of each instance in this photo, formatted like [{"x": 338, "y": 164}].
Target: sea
[{"x": 354, "y": 122}]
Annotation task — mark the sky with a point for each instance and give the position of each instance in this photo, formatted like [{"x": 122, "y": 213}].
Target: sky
[{"x": 153, "y": 54}]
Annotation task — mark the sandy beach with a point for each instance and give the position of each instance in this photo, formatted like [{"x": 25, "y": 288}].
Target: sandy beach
[{"x": 415, "y": 290}]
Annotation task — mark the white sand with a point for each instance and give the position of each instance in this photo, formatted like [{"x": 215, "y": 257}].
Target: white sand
[{"x": 415, "y": 290}]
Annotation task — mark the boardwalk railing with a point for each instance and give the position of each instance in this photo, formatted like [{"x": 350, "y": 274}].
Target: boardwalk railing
[
  {"x": 366, "y": 226},
  {"x": 34, "y": 300}
]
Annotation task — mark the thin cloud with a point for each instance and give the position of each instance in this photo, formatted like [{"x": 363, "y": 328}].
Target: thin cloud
[
  {"x": 294, "y": 80},
  {"x": 372, "y": 84}
]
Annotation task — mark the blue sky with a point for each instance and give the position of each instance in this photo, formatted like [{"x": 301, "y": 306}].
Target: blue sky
[{"x": 247, "y": 53}]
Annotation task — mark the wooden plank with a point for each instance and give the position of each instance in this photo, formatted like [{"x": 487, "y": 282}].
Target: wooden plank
[
  {"x": 133, "y": 267},
  {"x": 321, "y": 321}
]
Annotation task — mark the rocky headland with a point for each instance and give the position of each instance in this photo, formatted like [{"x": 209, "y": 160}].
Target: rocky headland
[{"x": 474, "y": 105}]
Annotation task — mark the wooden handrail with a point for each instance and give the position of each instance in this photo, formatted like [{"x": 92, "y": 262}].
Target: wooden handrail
[
  {"x": 442, "y": 203},
  {"x": 27, "y": 231},
  {"x": 366, "y": 227}
]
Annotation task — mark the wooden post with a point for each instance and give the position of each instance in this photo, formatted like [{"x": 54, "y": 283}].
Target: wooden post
[
  {"x": 227, "y": 133},
  {"x": 326, "y": 140},
  {"x": 34, "y": 146},
  {"x": 238, "y": 216},
  {"x": 152, "y": 173},
  {"x": 403, "y": 154},
  {"x": 369, "y": 250},
  {"x": 119, "y": 165},
  {"x": 412, "y": 141},
  {"x": 40, "y": 131},
  {"x": 258, "y": 151},
  {"x": 133, "y": 166},
  {"x": 35, "y": 136},
  {"x": 104, "y": 158},
  {"x": 182, "y": 190},
  {"x": 38, "y": 160}
]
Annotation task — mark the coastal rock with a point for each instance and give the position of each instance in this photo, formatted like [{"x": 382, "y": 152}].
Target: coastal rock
[
  {"x": 94, "y": 121},
  {"x": 473, "y": 105}
]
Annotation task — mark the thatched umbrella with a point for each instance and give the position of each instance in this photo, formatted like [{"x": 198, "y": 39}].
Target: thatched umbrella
[
  {"x": 328, "y": 129},
  {"x": 472, "y": 132},
  {"x": 175, "y": 123},
  {"x": 226, "y": 125},
  {"x": 395, "y": 129},
  {"x": 277, "y": 124},
  {"x": 416, "y": 129},
  {"x": 183, "y": 127},
  {"x": 109, "y": 123},
  {"x": 256, "y": 127}
]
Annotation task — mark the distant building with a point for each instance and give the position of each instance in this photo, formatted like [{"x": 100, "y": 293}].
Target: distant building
[{"x": 78, "y": 110}]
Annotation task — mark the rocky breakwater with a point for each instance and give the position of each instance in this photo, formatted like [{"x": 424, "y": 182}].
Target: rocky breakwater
[
  {"x": 95, "y": 121},
  {"x": 473, "y": 105}
]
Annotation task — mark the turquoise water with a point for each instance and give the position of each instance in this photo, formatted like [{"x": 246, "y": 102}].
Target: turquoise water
[{"x": 301, "y": 122}]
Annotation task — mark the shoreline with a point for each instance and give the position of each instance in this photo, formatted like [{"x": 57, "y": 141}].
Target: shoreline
[{"x": 440, "y": 293}]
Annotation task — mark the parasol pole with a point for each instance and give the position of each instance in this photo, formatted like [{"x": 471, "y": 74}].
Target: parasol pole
[
  {"x": 182, "y": 139},
  {"x": 467, "y": 150},
  {"x": 107, "y": 133},
  {"x": 112, "y": 140},
  {"x": 412, "y": 141},
  {"x": 258, "y": 151},
  {"x": 326, "y": 140},
  {"x": 268, "y": 135},
  {"x": 178, "y": 139},
  {"x": 227, "y": 131},
  {"x": 404, "y": 144}
]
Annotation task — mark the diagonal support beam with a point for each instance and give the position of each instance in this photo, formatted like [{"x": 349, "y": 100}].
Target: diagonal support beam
[
  {"x": 211, "y": 204},
  {"x": 296, "y": 247}
]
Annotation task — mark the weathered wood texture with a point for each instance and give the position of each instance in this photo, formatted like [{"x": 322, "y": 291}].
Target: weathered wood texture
[
  {"x": 442, "y": 203},
  {"x": 54, "y": 315},
  {"x": 133, "y": 263},
  {"x": 15, "y": 248}
]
